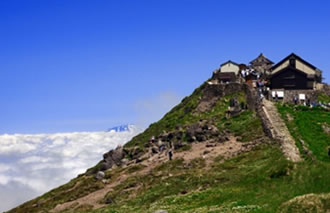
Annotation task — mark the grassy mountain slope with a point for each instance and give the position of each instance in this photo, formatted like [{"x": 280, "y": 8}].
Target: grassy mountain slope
[
  {"x": 310, "y": 127},
  {"x": 235, "y": 168}
]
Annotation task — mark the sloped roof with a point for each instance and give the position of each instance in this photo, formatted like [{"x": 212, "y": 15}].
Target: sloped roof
[
  {"x": 227, "y": 62},
  {"x": 293, "y": 55},
  {"x": 261, "y": 57},
  {"x": 283, "y": 70}
]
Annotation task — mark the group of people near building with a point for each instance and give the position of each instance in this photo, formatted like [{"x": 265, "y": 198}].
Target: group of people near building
[{"x": 250, "y": 71}]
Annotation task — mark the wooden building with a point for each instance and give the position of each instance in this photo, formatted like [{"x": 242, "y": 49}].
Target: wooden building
[
  {"x": 262, "y": 64},
  {"x": 294, "y": 73}
]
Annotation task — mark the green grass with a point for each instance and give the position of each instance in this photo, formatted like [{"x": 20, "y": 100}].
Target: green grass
[
  {"x": 246, "y": 125},
  {"x": 322, "y": 97},
  {"x": 179, "y": 115},
  {"x": 185, "y": 114},
  {"x": 76, "y": 188},
  {"x": 307, "y": 125},
  {"x": 258, "y": 181}
]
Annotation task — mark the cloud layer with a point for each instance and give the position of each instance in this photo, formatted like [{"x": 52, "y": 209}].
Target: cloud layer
[{"x": 33, "y": 164}]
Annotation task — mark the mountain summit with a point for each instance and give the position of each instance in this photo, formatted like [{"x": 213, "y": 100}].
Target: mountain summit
[
  {"x": 225, "y": 148},
  {"x": 121, "y": 128}
]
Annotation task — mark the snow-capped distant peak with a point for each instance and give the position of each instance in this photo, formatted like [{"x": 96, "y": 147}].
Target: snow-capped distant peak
[{"x": 121, "y": 128}]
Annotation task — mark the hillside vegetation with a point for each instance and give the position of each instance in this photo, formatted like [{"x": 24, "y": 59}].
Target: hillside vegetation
[
  {"x": 311, "y": 129},
  {"x": 222, "y": 163}
]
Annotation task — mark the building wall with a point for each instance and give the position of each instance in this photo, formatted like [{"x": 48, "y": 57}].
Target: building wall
[
  {"x": 283, "y": 80},
  {"x": 290, "y": 94},
  {"x": 282, "y": 66},
  {"x": 304, "y": 68},
  {"x": 229, "y": 67}
]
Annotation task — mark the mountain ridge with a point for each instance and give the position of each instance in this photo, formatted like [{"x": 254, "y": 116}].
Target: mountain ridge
[{"x": 216, "y": 120}]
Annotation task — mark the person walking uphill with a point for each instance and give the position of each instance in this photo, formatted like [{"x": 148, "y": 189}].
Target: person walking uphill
[{"x": 170, "y": 154}]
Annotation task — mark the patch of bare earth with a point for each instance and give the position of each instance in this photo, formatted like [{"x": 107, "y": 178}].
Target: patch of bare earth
[{"x": 207, "y": 150}]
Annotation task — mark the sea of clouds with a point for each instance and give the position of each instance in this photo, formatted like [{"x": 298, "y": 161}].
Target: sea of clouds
[{"x": 31, "y": 165}]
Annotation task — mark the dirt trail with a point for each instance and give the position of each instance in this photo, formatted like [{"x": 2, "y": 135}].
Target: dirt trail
[
  {"x": 227, "y": 149},
  {"x": 279, "y": 131}
]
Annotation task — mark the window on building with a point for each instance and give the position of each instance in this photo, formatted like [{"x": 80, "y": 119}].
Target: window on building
[
  {"x": 310, "y": 84},
  {"x": 293, "y": 62},
  {"x": 289, "y": 85},
  {"x": 292, "y": 76}
]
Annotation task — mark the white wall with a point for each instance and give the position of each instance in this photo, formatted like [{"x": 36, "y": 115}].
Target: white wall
[{"x": 230, "y": 67}]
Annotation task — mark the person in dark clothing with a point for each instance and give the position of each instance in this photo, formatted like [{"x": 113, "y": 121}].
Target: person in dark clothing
[
  {"x": 276, "y": 96},
  {"x": 232, "y": 102},
  {"x": 295, "y": 100},
  {"x": 170, "y": 154}
]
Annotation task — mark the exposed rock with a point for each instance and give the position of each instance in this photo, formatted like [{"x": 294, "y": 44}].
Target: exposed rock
[
  {"x": 178, "y": 145},
  {"x": 133, "y": 152},
  {"x": 111, "y": 158},
  {"x": 307, "y": 203},
  {"x": 99, "y": 175},
  {"x": 201, "y": 137},
  {"x": 154, "y": 150},
  {"x": 109, "y": 200},
  {"x": 124, "y": 161},
  {"x": 161, "y": 211},
  {"x": 206, "y": 152},
  {"x": 210, "y": 145},
  {"x": 326, "y": 128}
]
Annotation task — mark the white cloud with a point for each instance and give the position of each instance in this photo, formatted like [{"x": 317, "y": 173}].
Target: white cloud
[
  {"x": 4, "y": 167},
  {"x": 34, "y": 164},
  {"x": 4, "y": 179}
]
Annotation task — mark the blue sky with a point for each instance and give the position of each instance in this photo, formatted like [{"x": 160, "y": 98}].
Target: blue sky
[{"x": 88, "y": 65}]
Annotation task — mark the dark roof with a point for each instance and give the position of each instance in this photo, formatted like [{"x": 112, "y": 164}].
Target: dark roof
[
  {"x": 279, "y": 72},
  {"x": 263, "y": 58},
  {"x": 229, "y": 62},
  {"x": 292, "y": 55}
]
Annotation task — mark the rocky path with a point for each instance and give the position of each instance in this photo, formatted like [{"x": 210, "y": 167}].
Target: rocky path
[
  {"x": 278, "y": 130},
  {"x": 207, "y": 150}
]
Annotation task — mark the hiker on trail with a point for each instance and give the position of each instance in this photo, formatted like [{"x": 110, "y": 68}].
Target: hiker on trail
[
  {"x": 232, "y": 102},
  {"x": 170, "y": 144},
  {"x": 276, "y": 96},
  {"x": 243, "y": 73},
  {"x": 295, "y": 100},
  {"x": 170, "y": 154}
]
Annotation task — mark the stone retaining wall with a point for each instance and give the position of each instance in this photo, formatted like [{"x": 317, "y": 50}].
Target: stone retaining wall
[{"x": 290, "y": 94}]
